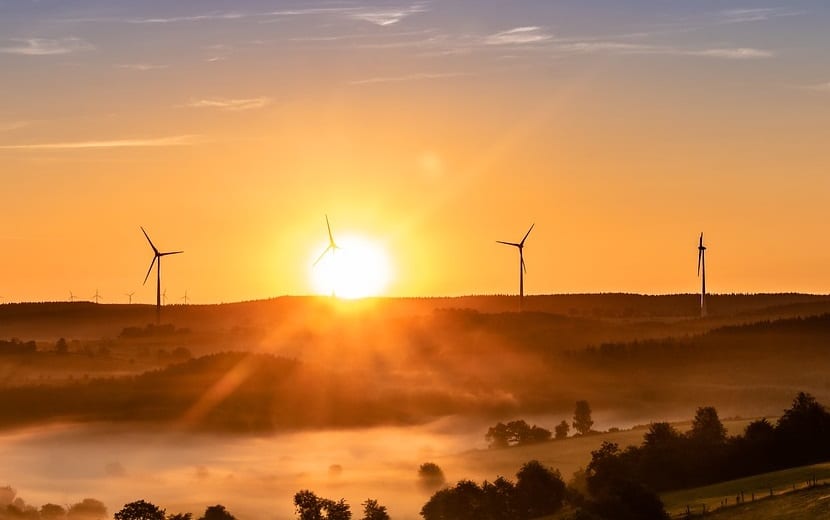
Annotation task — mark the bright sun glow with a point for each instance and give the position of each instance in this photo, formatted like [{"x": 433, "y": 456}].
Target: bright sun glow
[{"x": 356, "y": 269}]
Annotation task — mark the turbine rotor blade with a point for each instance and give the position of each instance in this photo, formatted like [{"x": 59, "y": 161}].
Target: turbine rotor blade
[
  {"x": 509, "y": 243},
  {"x": 321, "y": 256},
  {"x": 523, "y": 265},
  {"x": 701, "y": 239},
  {"x": 328, "y": 226},
  {"x": 150, "y": 269},
  {"x": 699, "y": 259},
  {"x": 528, "y": 233},
  {"x": 171, "y": 253},
  {"x": 156, "y": 251}
]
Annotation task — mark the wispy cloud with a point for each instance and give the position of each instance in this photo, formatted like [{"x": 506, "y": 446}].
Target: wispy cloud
[
  {"x": 754, "y": 15},
  {"x": 821, "y": 87},
  {"x": 177, "y": 140},
  {"x": 613, "y": 47},
  {"x": 740, "y": 53},
  {"x": 142, "y": 67},
  {"x": 231, "y": 104},
  {"x": 44, "y": 46},
  {"x": 408, "y": 77},
  {"x": 384, "y": 17},
  {"x": 190, "y": 18},
  {"x": 518, "y": 35},
  {"x": 13, "y": 125}
]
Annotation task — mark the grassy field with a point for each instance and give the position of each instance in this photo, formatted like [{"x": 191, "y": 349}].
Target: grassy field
[
  {"x": 805, "y": 504},
  {"x": 779, "y": 481},
  {"x": 567, "y": 456}
]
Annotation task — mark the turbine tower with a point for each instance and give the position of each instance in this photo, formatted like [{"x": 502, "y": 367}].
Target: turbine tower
[
  {"x": 701, "y": 272},
  {"x": 96, "y": 296},
  {"x": 185, "y": 297},
  {"x": 130, "y": 296},
  {"x": 522, "y": 268},
  {"x": 332, "y": 244},
  {"x": 157, "y": 257}
]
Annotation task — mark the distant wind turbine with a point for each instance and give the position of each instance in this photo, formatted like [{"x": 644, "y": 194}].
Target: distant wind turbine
[
  {"x": 157, "y": 258},
  {"x": 71, "y": 296},
  {"x": 96, "y": 296},
  {"x": 185, "y": 299},
  {"x": 332, "y": 244},
  {"x": 701, "y": 272},
  {"x": 130, "y": 296},
  {"x": 522, "y": 267}
]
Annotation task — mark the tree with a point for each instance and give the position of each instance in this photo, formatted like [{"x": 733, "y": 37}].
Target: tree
[
  {"x": 88, "y": 509},
  {"x": 582, "y": 418},
  {"x": 217, "y": 512},
  {"x": 431, "y": 476},
  {"x": 339, "y": 510},
  {"x": 561, "y": 430},
  {"x": 374, "y": 511},
  {"x": 706, "y": 427},
  {"x": 462, "y": 502},
  {"x": 52, "y": 512},
  {"x": 498, "y": 436},
  {"x": 540, "y": 491},
  {"x": 140, "y": 510},
  {"x": 660, "y": 434},
  {"x": 180, "y": 516}
]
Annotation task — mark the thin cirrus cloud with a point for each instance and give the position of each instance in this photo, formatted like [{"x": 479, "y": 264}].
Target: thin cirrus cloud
[
  {"x": 754, "y": 15},
  {"x": 821, "y": 87},
  {"x": 231, "y": 104},
  {"x": 611, "y": 47},
  {"x": 13, "y": 125},
  {"x": 408, "y": 77},
  {"x": 382, "y": 16},
  {"x": 177, "y": 140},
  {"x": 141, "y": 67},
  {"x": 518, "y": 36},
  {"x": 385, "y": 17},
  {"x": 44, "y": 46}
]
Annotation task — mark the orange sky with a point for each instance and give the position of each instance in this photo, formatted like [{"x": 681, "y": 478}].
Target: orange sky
[{"x": 434, "y": 128}]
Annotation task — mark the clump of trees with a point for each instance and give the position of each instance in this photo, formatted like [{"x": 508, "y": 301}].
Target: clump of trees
[
  {"x": 142, "y": 510},
  {"x": 515, "y": 433},
  {"x": 669, "y": 459},
  {"x": 12, "y": 507},
  {"x": 538, "y": 491},
  {"x": 519, "y": 433},
  {"x": 309, "y": 506}
]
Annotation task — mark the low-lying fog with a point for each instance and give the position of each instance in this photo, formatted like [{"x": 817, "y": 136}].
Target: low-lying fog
[{"x": 254, "y": 477}]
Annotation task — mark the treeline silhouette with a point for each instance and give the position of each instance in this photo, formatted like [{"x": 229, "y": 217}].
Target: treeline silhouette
[
  {"x": 257, "y": 393},
  {"x": 12, "y": 507},
  {"x": 15, "y": 347},
  {"x": 538, "y": 492},
  {"x": 669, "y": 460}
]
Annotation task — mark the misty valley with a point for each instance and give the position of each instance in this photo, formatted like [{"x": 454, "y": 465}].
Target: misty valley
[{"x": 247, "y": 404}]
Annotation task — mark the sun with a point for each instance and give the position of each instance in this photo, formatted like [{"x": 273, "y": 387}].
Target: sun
[{"x": 358, "y": 268}]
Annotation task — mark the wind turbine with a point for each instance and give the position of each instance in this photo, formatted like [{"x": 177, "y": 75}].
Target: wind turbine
[
  {"x": 157, "y": 257},
  {"x": 71, "y": 296},
  {"x": 185, "y": 299},
  {"x": 332, "y": 245},
  {"x": 701, "y": 272},
  {"x": 522, "y": 267},
  {"x": 96, "y": 296},
  {"x": 130, "y": 296}
]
